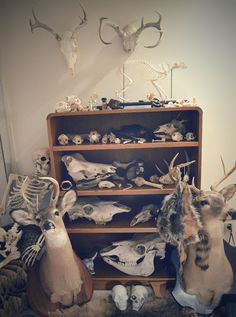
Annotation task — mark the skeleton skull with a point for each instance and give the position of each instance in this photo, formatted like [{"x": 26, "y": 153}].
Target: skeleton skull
[
  {"x": 190, "y": 136},
  {"x": 135, "y": 256},
  {"x": 120, "y": 297},
  {"x": 139, "y": 295},
  {"x": 171, "y": 127},
  {"x": 41, "y": 161},
  {"x": 63, "y": 139}
]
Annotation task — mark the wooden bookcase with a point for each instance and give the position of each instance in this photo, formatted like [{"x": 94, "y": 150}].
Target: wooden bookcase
[{"x": 86, "y": 236}]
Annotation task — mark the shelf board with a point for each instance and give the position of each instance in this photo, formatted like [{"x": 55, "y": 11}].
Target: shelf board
[
  {"x": 90, "y": 227},
  {"x": 126, "y": 192},
  {"x": 130, "y": 146}
]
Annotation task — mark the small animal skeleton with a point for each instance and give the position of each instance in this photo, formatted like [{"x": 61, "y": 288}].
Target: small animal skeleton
[
  {"x": 155, "y": 73},
  {"x": 99, "y": 211},
  {"x": 86, "y": 174},
  {"x": 71, "y": 104},
  {"x": 129, "y": 34},
  {"x": 8, "y": 244},
  {"x": 68, "y": 41},
  {"x": 135, "y": 256}
]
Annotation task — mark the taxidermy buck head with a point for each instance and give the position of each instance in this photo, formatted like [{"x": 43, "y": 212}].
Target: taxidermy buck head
[
  {"x": 129, "y": 34},
  {"x": 59, "y": 273},
  {"x": 68, "y": 40}
]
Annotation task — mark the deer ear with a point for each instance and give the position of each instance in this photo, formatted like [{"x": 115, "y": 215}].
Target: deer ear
[
  {"x": 23, "y": 217},
  {"x": 68, "y": 200},
  {"x": 228, "y": 191}
]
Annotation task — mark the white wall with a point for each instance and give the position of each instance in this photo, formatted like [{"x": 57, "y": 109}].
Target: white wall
[{"x": 200, "y": 33}]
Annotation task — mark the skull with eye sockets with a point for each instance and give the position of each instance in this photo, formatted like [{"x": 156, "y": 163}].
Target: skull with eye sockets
[
  {"x": 139, "y": 295},
  {"x": 41, "y": 161}
]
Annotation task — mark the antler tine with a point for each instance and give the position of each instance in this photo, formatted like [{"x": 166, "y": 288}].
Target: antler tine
[
  {"x": 156, "y": 25},
  {"x": 113, "y": 25},
  {"x": 193, "y": 187},
  {"x": 38, "y": 24},
  {"x": 172, "y": 169},
  {"x": 226, "y": 175},
  {"x": 83, "y": 20},
  {"x": 56, "y": 186}
]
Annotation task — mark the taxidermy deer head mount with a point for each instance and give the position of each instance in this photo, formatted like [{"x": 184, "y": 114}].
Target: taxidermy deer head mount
[
  {"x": 129, "y": 34},
  {"x": 199, "y": 215},
  {"x": 68, "y": 40},
  {"x": 60, "y": 271}
]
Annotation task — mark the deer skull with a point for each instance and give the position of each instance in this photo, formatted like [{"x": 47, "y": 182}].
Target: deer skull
[
  {"x": 68, "y": 41},
  {"x": 129, "y": 34},
  {"x": 135, "y": 256}
]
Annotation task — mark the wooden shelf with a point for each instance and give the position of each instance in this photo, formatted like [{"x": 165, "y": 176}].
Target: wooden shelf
[
  {"x": 89, "y": 227},
  {"x": 130, "y": 146}
]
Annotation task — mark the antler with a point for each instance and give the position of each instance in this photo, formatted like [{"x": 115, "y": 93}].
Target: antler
[
  {"x": 57, "y": 189},
  {"x": 173, "y": 168},
  {"x": 38, "y": 24},
  {"x": 226, "y": 175},
  {"x": 114, "y": 26},
  {"x": 156, "y": 25},
  {"x": 83, "y": 21}
]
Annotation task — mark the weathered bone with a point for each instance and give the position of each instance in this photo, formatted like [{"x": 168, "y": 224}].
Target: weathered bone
[
  {"x": 67, "y": 41},
  {"x": 140, "y": 181},
  {"x": 129, "y": 34}
]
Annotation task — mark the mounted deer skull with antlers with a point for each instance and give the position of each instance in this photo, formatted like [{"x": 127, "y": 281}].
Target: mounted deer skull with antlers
[
  {"x": 129, "y": 34},
  {"x": 68, "y": 40}
]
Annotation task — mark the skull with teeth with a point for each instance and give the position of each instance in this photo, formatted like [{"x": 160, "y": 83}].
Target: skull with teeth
[
  {"x": 139, "y": 295},
  {"x": 41, "y": 161},
  {"x": 135, "y": 256}
]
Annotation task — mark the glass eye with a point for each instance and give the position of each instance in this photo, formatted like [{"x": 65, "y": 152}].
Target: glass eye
[
  {"x": 204, "y": 202},
  {"x": 56, "y": 213},
  {"x": 37, "y": 219}
]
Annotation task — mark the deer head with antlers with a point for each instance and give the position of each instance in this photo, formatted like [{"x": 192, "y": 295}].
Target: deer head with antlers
[
  {"x": 68, "y": 40},
  {"x": 60, "y": 275},
  {"x": 204, "y": 273},
  {"x": 129, "y": 34}
]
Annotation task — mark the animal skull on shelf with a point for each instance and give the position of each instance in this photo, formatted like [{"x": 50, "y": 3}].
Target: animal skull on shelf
[
  {"x": 86, "y": 174},
  {"x": 138, "y": 296},
  {"x": 170, "y": 127},
  {"x": 135, "y": 256},
  {"x": 120, "y": 297},
  {"x": 129, "y": 34},
  {"x": 89, "y": 262},
  {"x": 41, "y": 159},
  {"x": 8, "y": 244},
  {"x": 147, "y": 213},
  {"x": 100, "y": 211},
  {"x": 68, "y": 40}
]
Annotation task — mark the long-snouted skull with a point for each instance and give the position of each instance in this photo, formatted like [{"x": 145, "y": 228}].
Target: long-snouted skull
[
  {"x": 135, "y": 256},
  {"x": 86, "y": 174},
  {"x": 68, "y": 40},
  {"x": 100, "y": 211},
  {"x": 129, "y": 34}
]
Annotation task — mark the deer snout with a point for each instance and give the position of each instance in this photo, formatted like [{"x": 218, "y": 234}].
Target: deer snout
[{"x": 48, "y": 225}]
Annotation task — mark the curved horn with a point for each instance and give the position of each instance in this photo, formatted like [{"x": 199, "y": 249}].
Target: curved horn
[
  {"x": 156, "y": 25},
  {"x": 82, "y": 22},
  {"x": 38, "y": 24},
  {"x": 57, "y": 189},
  {"x": 172, "y": 168},
  {"x": 194, "y": 188},
  {"x": 114, "y": 26}
]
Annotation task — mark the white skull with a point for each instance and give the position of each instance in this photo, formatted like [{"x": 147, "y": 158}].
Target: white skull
[
  {"x": 139, "y": 295},
  {"x": 41, "y": 161},
  {"x": 69, "y": 48},
  {"x": 190, "y": 136},
  {"x": 135, "y": 256},
  {"x": 177, "y": 136},
  {"x": 62, "y": 106},
  {"x": 94, "y": 137},
  {"x": 74, "y": 102},
  {"x": 77, "y": 139},
  {"x": 120, "y": 297},
  {"x": 63, "y": 139}
]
